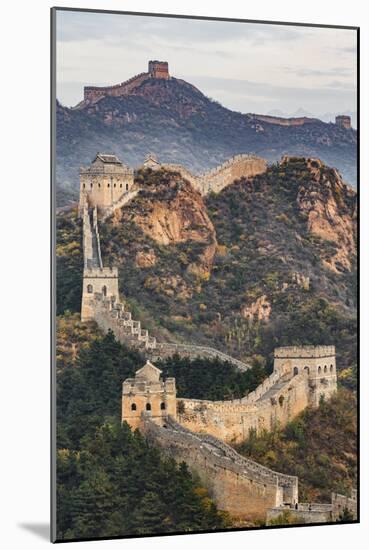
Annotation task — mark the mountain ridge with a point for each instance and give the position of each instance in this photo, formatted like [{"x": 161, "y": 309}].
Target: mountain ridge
[{"x": 176, "y": 121}]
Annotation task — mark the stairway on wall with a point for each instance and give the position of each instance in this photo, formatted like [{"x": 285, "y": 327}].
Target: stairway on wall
[{"x": 112, "y": 314}]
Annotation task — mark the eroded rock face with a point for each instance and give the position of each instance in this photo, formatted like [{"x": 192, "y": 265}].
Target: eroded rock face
[
  {"x": 172, "y": 285},
  {"x": 145, "y": 258},
  {"x": 330, "y": 207},
  {"x": 171, "y": 212},
  {"x": 259, "y": 310}
]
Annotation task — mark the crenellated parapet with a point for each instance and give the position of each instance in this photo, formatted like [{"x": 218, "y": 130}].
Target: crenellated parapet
[
  {"x": 104, "y": 183},
  {"x": 216, "y": 179},
  {"x": 301, "y": 377}
]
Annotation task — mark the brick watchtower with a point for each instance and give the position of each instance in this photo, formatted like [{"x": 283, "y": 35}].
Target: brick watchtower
[
  {"x": 344, "y": 121},
  {"x": 148, "y": 395},
  {"x": 104, "y": 182},
  {"x": 159, "y": 69}
]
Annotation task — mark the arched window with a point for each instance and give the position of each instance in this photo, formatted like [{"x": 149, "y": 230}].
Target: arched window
[
  {"x": 99, "y": 185},
  {"x": 162, "y": 406},
  {"x": 115, "y": 184},
  {"x": 325, "y": 368},
  {"x": 92, "y": 185},
  {"x": 104, "y": 290},
  {"x": 133, "y": 407},
  {"x": 108, "y": 184},
  {"x": 126, "y": 186},
  {"x": 307, "y": 370},
  {"x": 295, "y": 371},
  {"x": 319, "y": 370},
  {"x": 90, "y": 289},
  {"x": 148, "y": 406},
  {"x": 331, "y": 368},
  {"x": 84, "y": 186},
  {"x": 121, "y": 185}
]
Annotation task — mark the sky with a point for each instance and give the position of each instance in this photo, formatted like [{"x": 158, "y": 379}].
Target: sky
[{"x": 247, "y": 67}]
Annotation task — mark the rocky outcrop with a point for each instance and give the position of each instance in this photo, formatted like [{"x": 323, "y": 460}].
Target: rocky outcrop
[
  {"x": 145, "y": 258},
  {"x": 171, "y": 212},
  {"x": 330, "y": 209},
  {"x": 259, "y": 310}
]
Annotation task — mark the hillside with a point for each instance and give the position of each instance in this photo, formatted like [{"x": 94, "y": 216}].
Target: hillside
[
  {"x": 181, "y": 125},
  {"x": 111, "y": 481},
  {"x": 269, "y": 261},
  {"x": 282, "y": 270}
]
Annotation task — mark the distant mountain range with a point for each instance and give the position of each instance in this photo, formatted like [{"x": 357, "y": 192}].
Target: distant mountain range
[{"x": 177, "y": 122}]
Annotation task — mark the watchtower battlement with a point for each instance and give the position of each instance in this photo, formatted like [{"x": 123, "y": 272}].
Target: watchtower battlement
[{"x": 297, "y": 352}]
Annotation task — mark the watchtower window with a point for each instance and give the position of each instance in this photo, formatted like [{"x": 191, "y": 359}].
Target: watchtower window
[
  {"x": 331, "y": 368},
  {"x": 306, "y": 370},
  {"x": 133, "y": 407},
  {"x": 121, "y": 186},
  {"x": 295, "y": 371},
  {"x": 148, "y": 406},
  {"x": 319, "y": 370},
  {"x": 115, "y": 184},
  {"x": 99, "y": 185},
  {"x": 84, "y": 186},
  {"x": 126, "y": 186},
  {"x": 162, "y": 406},
  {"x": 325, "y": 368},
  {"x": 104, "y": 290},
  {"x": 92, "y": 185},
  {"x": 108, "y": 184},
  {"x": 90, "y": 289}
]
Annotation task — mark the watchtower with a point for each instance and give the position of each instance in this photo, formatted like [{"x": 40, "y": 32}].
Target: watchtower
[
  {"x": 104, "y": 182},
  {"x": 147, "y": 394},
  {"x": 344, "y": 121},
  {"x": 103, "y": 280},
  {"x": 159, "y": 69},
  {"x": 316, "y": 363}
]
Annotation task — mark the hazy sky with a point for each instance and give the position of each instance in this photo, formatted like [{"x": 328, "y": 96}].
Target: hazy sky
[{"x": 245, "y": 66}]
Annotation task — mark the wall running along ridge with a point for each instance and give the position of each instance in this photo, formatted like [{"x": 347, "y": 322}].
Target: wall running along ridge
[
  {"x": 239, "y": 486},
  {"x": 213, "y": 181},
  {"x": 301, "y": 376}
]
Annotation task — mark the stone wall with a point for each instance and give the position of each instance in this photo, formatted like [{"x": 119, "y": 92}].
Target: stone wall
[
  {"x": 302, "y": 514},
  {"x": 94, "y": 93},
  {"x": 232, "y": 420},
  {"x": 293, "y": 121},
  {"x": 301, "y": 376},
  {"x": 164, "y": 350},
  {"x": 239, "y": 486},
  {"x": 220, "y": 177},
  {"x": 113, "y": 315},
  {"x": 340, "y": 503}
]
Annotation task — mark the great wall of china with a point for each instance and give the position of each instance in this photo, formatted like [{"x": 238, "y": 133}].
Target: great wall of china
[{"x": 199, "y": 431}]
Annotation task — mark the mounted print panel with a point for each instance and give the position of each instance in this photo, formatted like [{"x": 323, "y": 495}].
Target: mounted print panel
[{"x": 205, "y": 250}]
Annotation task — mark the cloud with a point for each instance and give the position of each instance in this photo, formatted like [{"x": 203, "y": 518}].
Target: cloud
[
  {"x": 238, "y": 64},
  {"x": 308, "y": 71}
]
